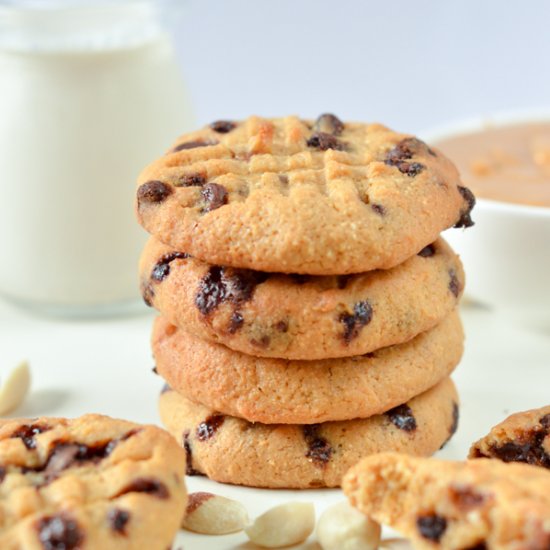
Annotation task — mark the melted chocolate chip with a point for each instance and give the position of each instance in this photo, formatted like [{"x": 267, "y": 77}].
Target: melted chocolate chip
[
  {"x": 193, "y": 145},
  {"x": 153, "y": 192},
  {"x": 2, "y": 474},
  {"x": 482, "y": 545},
  {"x": 531, "y": 451},
  {"x": 155, "y": 370},
  {"x": 223, "y": 126},
  {"x": 456, "y": 418},
  {"x": 191, "y": 180},
  {"x": 427, "y": 251},
  {"x": 146, "y": 485},
  {"x": 545, "y": 421},
  {"x": 283, "y": 178},
  {"x": 236, "y": 322},
  {"x": 262, "y": 342},
  {"x": 214, "y": 196},
  {"x": 64, "y": 455},
  {"x": 208, "y": 428},
  {"x": 431, "y": 527},
  {"x": 319, "y": 450},
  {"x": 379, "y": 209},
  {"x": 402, "y": 417},
  {"x": 161, "y": 269},
  {"x": 27, "y": 433},
  {"x": 189, "y": 470},
  {"x": 454, "y": 284},
  {"x": 465, "y": 219},
  {"x": 342, "y": 281},
  {"x": 59, "y": 533},
  {"x": 222, "y": 284},
  {"x": 300, "y": 279},
  {"x": 353, "y": 323},
  {"x": 281, "y": 326},
  {"x": 324, "y": 141},
  {"x": 329, "y": 124},
  {"x": 195, "y": 500},
  {"x": 466, "y": 498},
  {"x": 118, "y": 519}
]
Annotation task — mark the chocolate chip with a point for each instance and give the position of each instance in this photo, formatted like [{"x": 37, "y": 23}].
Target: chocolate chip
[
  {"x": 329, "y": 124},
  {"x": 353, "y": 323},
  {"x": 214, "y": 196},
  {"x": 155, "y": 370},
  {"x": 319, "y": 450},
  {"x": 431, "y": 527},
  {"x": 379, "y": 209},
  {"x": 281, "y": 326},
  {"x": 262, "y": 342},
  {"x": 454, "y": 284},
  {"x": 324, "y": 141},
  {"x": 545, "y": 421},
  {"x": 410, "y": 169},
  {"x": 66, "y": 454},
  {"x": 404, "y": 151},
  {"x": 466, "y": 498},
  {"x": 59, "y": 533},
  {"x": 118, "y": 519},
  {"x": 195, "y": 500},
  {"x": 283, "y": 178},
  {"x": 427, "y": 251},
  {"x": 402, "y": 417},
  {"x": 236, "y": 322},
  {"x": 153, "y": 192},
  {"x": 222, "y": 284},
  {"x": 191, "y": 180},
  {"x": 148, "y": 485},
  {"x": 189, "y": 470},
  {"x": 165, "y": 388},
  {"x": 342, "y": 281},
  {"x": 161, "y": 269},
  {"x": 223, "y": 126},
  {"x": 27, "y": 433},
  {"x": 300, "y": 279},
  {"x": 2, "y": 474},
  {"x": 482, "y": 545},
  {"x": 456, "y": 418},
  {"x": 147, "y": 293},
  {"x": 530, "y": 451},
  {"x": 208, "y": 428},
  {"x": 194, "y": 144},
  {"x": 465, "y": 219}
]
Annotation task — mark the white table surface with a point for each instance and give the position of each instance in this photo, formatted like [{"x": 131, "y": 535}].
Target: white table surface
[{"x": 105, "y": 366}]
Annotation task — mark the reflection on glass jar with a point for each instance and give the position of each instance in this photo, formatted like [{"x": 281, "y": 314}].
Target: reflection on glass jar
[{"x": 89, "y": 93}]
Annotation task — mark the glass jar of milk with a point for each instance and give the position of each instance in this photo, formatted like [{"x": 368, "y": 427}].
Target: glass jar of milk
[{"x": 90, "y": 92}]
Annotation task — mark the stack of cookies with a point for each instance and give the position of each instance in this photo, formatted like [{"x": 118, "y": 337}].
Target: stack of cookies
[{"x": 308, "y": 304}]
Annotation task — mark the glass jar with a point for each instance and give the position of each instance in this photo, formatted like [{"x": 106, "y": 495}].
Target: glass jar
[{"x": 90, "y": 92}]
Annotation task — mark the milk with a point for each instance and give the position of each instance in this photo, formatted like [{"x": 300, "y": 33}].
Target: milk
[{"x": 76, "y": 127}]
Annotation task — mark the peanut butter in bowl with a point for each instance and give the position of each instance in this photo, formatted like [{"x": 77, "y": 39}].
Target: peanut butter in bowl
[{"x": 508, "y": 163}]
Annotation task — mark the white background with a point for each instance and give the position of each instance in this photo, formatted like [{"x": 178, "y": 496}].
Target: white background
[{"x": 410, "y": 65}]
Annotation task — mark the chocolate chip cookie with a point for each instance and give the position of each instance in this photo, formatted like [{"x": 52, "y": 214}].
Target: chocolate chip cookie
[
  {"x": 232, "y": 450},
  {"x": 302, "y": 317},
  {"x": 481, "y": 504},
  {"x": 92, "y": 482},
  {"x": 298, "y": 196},
  {"x": 304, "y": 392},
  {"x": 522, "y": 437}
]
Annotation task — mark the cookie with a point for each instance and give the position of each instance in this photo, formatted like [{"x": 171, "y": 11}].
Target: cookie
[
  {"x": 276, "y": 391},
  {"x": 91, "y": 482},
  {"x": 480, "y": 504},
  {"x": 302, "y": 317},
  {"x": 295, "y": 196},
  {"x": 232, "y": 450},
  {"x": 522, "y": 437}
]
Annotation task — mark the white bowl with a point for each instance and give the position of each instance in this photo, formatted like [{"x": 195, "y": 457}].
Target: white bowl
[{"x": 506, "y": 254}]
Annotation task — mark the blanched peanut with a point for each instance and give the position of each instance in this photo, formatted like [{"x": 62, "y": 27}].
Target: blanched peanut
[
  {"x": 342, "y": 527},
  {"x": 14, "y": 388},
  {"x": 214, "y": 515},
  {"x": 283, "y": 525}
]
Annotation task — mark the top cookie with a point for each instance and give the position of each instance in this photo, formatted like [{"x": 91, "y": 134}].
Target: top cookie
[
  {"x": 92, "y": 482},
  {"x": 296, "y": 196}
]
